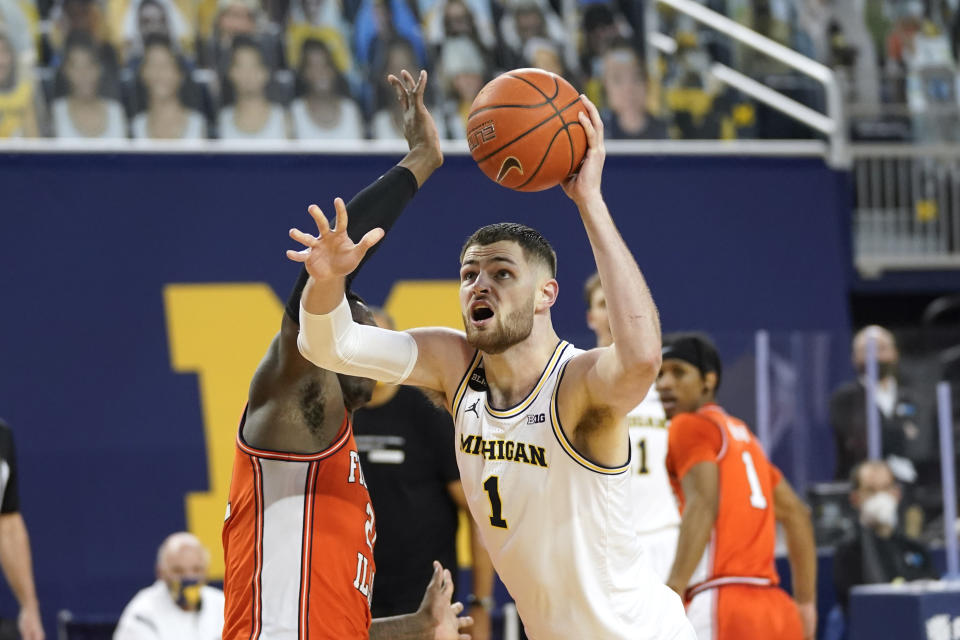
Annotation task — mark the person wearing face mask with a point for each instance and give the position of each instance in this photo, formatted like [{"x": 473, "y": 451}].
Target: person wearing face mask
[
  {"x": 900, "y": 414},
  {"x": 179, "y": 605},
  {"x": 877, "y": 551}
]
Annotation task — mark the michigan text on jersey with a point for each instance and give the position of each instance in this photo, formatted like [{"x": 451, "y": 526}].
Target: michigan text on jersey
[{"x": 503, "y": 450}]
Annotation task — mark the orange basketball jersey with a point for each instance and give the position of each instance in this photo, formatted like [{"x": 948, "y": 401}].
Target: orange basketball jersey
[
  {"x": 298, "y": 544},
  {"x": 741, "y": 547}
]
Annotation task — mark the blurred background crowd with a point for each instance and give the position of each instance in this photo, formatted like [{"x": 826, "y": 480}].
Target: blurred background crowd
[{"x": 315, "y": 69}]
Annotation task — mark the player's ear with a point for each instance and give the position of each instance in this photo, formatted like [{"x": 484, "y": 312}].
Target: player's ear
[
  {"x": 547, "y": 295},
  {"x": 710, "y": 382}
]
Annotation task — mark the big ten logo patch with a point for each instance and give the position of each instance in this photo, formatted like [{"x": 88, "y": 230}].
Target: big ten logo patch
[
  {"x": 536, "y": 418},
  {"x": 224, "y": 354},
  {"x": 483, "y": 132}
]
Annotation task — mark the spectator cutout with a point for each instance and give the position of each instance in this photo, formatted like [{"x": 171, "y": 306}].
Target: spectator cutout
[
  {"x": 250, "y": 115},
  {"x": 163, "y": 88},
  {"x": 82, "y": 108},
  {"x": 324, "y": 107}
]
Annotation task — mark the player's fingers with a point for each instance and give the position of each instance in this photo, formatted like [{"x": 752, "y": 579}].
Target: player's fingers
[
  {"x": 408, "y": 82},
  {"x": 341, "y": 210},
  {"x": 457, "y": 608},
  {"x": 592, "y": 110},
  {"x": 464, "y": 621},
  {"x": 398, "y": 87},
  {"x": 305, "y": 239},
  {"x": 588, "y": 129},
  {"x": 322, "y": 223},
  {"x": 420, "y": 88},
  {"x": 464, "y": 636},
  {"x": 298, "y": 256},
  {"x": 436, "y": 577},
  {"x": 369, "y": 239},
  {"x": 447, "y": 584}
]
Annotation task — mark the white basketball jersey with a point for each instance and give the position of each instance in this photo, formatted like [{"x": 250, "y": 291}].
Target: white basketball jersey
[
  {"x": 656, "y": 506},
  {"x": 559, "y": 528}
]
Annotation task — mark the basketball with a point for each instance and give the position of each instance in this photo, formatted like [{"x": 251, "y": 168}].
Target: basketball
[{"x": 523, "y": 130}]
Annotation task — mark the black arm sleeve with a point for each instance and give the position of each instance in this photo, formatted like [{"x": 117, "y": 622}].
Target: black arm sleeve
[
  {"x": 379, "y": 205},
  {"x": 9, "y": 492}
]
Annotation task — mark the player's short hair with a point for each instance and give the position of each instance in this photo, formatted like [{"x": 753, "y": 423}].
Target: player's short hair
[
  {"x": 695, "y": 348},
  {"x": 592, "y": 284},
  {"x": 855, "y": 472},
  {"x": 534, "y": 245}
]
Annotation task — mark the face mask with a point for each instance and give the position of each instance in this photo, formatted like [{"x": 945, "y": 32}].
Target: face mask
[
  {"x": 879, "y": 510},
  {"x": 186, "y": 593}
]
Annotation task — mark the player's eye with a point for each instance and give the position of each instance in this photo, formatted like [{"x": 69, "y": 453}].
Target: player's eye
[
  {"x": 503, "y": 273},
  {"x": 468, "y": 276}
]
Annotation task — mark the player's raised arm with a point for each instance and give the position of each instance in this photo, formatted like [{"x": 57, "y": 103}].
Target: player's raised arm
[
  {"x": 617, "y": 377},
  {"x": 379, "y": 205},
  {"x": 331, "y": 339}
]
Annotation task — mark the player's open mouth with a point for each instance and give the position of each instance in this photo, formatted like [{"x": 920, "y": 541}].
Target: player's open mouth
[
  {"x": 480, "y": 314},
  {"x": 669, "y": 402}
]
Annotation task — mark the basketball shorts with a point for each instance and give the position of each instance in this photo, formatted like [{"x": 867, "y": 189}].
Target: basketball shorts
[{"x": 745, "y": 612}]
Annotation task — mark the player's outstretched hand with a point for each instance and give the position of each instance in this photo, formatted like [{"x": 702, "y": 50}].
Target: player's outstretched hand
[
  {"x": 442, "y": 616},
  {"x": 418, "y": 126},
  {"x": 331, "y": 253},
  {"x": 585, "y": 184}
]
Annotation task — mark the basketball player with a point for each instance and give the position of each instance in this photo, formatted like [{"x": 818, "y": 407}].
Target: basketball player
[
  {"x": 299, "y": 530},
  {"x": 542, "y": 443},
  {"x": 656, "y": 519},
  {"x": 731, "y": 497}
]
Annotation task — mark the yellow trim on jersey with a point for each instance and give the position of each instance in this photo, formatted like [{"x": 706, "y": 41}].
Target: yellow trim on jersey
[
  {"x": 462, "y": 387},
  {"x": 568, "y": 447},
  {"x": 526, "y": 402}
]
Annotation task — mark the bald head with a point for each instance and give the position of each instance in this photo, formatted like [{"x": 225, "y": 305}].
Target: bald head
[
  {"x": 886, "y": 349},
  {"x": 182, "y": 555}
]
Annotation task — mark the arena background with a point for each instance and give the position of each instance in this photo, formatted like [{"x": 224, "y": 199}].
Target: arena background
[{"x": 140, "y": 291}]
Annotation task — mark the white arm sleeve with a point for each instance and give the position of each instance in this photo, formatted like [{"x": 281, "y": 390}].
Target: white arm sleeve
[{"x": 335, "y": 342}]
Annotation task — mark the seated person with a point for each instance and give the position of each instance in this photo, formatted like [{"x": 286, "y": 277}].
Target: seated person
[
  {"x": 18, "y": 108},
  {"x": 132, "y": 22},
  {"x": 179, "y": 605},
  {"x": 162, "y": 88},
  {"x": 463, "y": 76},
  {"x": 323, "y": 107},
  {"x": 249, "y": 114},
  {"x": 88, "y": 16},
  {"x": 625, "y": 89},
  {"x": 81, "y": 108},
  {"x": 387, "y": 120},
  {"x": 877, "y": 552},
  {"x": 233, "y": 19}
]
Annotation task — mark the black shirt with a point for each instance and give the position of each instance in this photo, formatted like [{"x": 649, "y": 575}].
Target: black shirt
[
  {"x": 864, "y": 558},
  {"x": 9, "y": 492},
  {"x": 407, "y": 452},
  {"x": 848, "y": 419}
]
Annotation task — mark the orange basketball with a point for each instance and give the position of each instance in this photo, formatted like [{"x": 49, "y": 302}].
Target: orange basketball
[{"x": 523, "y": 130}]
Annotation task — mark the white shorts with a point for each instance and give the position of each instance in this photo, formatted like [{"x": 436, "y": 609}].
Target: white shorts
[{"x": 659, "y": 550}]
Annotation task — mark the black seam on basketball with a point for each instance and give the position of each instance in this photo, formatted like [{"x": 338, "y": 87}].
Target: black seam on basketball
[
  {"x": 536, "y": 126},
  {"x": 556, "y": 85},
  {"x": 507, "y": 106},
  {"x": 543, "y": 158},
  {"x": 510, "y": 142}
]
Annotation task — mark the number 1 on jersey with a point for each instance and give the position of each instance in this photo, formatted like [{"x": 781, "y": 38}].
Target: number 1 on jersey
[
  {"x": 757, "y": 499},
  {"x": 492, "y": 486}
]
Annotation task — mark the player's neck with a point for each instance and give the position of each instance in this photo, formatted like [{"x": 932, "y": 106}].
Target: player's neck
[{"x": 513, "y": 374}]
